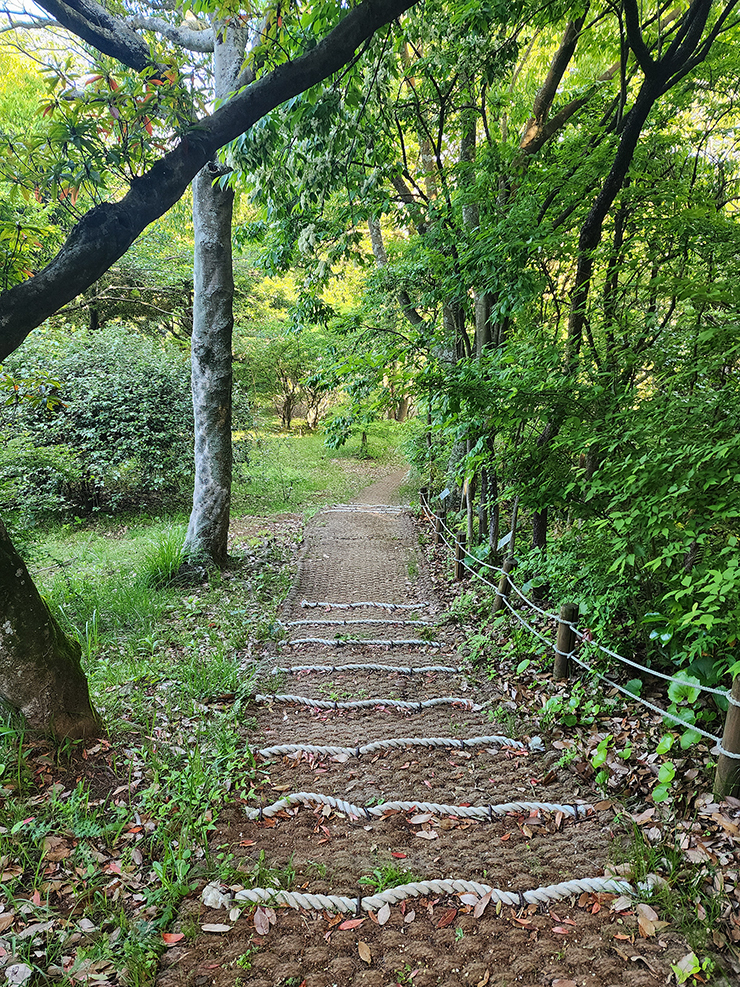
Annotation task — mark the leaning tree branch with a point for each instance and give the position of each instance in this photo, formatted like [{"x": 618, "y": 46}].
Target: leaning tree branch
[
  {"x": 105, "y": 233},
  {"x": 101, "y": 29}
]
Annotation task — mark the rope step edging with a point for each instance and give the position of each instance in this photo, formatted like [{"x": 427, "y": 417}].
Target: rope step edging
[
  {"x": 341, "y": 903},
  {"x": 367, "y": 667},
  {"x": 453, "y": 743},
  {"x": 312, "y": 604},
  {"x": 411, "y": 707},
  {"x": 484, "y": 813},
  {"x": 340, "y": 642}
]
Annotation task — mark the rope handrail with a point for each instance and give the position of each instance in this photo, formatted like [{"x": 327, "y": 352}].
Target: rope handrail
[{"x": 724, "y": 693}]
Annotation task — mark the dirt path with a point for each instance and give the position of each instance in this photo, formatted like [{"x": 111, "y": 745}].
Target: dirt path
[{"x": 368, "y": 553}]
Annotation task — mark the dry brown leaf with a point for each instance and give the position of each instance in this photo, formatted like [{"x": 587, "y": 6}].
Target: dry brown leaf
[
  {"x": 420, "y": 818},
  {"x": 426, "y": 834},
  {"x": 6, "y": 920},
  {"x": 481, "y": 906},
  {"x": 448, "y": 918},
  {"x": 364, "y": 950},
  {"x": 484, "y": 981},
  {"x": 352, "y": 923},
  {"x": 384, "y": 913},
  {"x": 409, "y": 916}
]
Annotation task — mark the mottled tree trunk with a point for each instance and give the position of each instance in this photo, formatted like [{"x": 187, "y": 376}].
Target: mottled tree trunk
[
  {"x": 213, "y": 324},
  {"x": 41, "y": 675}
]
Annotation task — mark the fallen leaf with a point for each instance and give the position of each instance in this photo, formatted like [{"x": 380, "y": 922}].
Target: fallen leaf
[
  {"x": 469, "y": 899},
  {"x": 484, "y": 981},
  {"x": 261, "y": 922},
  {"x": 398, "y": 856},
  {"x": 564, "y": 983},
  {"x": 364, "y": 950},
  {"x": 646, "y": 919},
  {"x": 6, "y": 920},
  {"x": 447, "y": 918},
  {"x": 481, "y": 906},
  {"x": 170, "y": 938},
  {"x": 409, "y": 916},
  {"x": 426, "y": 834},
  {"x": 420, "y": 818},
  {"x": 352, "y": 923},
  {"x": 215, "y": 927},
  {"x": 18, "y": 974},
  {"x": 561, "y": 930},
  {"x": 384, "y": 914}
]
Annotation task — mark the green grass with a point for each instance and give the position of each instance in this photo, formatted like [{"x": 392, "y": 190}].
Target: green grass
[{"x": 294, "y": 472}]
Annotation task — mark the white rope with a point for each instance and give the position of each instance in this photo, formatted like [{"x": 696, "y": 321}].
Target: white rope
[
  {"x": 368, "y": 703},
  {"x": 368, "y": 667},
  {"x": 484, "y": 813},
  {"x": 365, "y": 604},
  {"x": 364, "y": 508},
  {"x": 355, "y": 623},
  {"x": 340, "y": 642},
  {"x": 495, "y": 740},
  {"x": 725, "y": 693},
  {"x": 341, "y": 903},
  {"x": 657, "y": 709}
]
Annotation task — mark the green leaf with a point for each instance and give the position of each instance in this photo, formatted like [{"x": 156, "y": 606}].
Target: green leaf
[
  {"x": 679, "y": 692},
  {"x": 666, "y": 742}
]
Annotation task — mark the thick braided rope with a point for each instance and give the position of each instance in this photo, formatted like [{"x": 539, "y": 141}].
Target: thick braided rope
[
  {"x": 340, "y": 642},
  {"x": 341, "y": 903},
  {"x": 367, "y": 667},
  {"x": 364, "y": 605},
  {"x": 484, "y": 813},
  {"x": 367, "y": 703},
  {"x": 388, "y": 622},
  {"x": 453, "y": 743},
  {"x": 364, "y": 509}
]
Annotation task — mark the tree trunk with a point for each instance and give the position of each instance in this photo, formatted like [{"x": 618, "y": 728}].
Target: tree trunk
[
  {"x": 213, "y": 323},
  {"x": 41, "y": 674}
]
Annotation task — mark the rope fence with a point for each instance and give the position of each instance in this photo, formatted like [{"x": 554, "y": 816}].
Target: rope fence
[{"x": 727, "y": 780}]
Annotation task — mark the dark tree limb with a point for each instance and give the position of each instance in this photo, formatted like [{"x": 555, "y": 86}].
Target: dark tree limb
[{"x": 105, "y": 233}]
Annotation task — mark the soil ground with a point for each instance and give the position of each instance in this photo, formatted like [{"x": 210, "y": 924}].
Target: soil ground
[{"x": 365, "y": 554}]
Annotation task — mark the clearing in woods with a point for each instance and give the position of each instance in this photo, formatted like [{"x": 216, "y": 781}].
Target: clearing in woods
[{"x": 368, "y": 553}]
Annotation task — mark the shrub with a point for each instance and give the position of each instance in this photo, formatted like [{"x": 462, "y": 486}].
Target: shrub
[{"x": 124, "y": 421}]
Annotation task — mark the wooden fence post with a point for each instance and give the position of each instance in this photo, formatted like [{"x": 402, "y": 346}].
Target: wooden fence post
[
  {"x": 437, "y": 529},
  {"x": 727, "y": 776},
  {"x": 565, "y": 641},
  {"x": 459, "y": 557},
  {"x": 498, "y": 602}
]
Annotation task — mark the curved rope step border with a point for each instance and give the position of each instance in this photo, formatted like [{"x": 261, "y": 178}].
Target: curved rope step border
[
  {"x": 340, "y": 642},
  {"x": 312, "y": 604},
  {"x": 452, "y": 743},
  {"x": 367, "y": 667},
  {"x": 390, "y": 622},
  {"x": 341, "y": 903},
  {"x": 411, "y": 707},
  {"x": 484, "y": 813}
]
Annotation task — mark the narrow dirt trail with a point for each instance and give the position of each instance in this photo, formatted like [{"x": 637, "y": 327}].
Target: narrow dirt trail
[{"x": 363, "y": 626}]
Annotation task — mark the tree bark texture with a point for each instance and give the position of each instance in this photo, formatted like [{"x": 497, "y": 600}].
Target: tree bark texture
[
  {"x": 213, "y": 324},
  {"x": 41, "y": 674}
]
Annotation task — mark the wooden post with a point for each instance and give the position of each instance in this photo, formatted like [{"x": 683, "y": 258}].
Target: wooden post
[
  {"x": 459, "y": 557},
  {"x": 498, "y": 603},
  {"x": 565, "y": 641},
  {"x": 437, "y": 530},
  {"x": 727, "y": 776}
]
